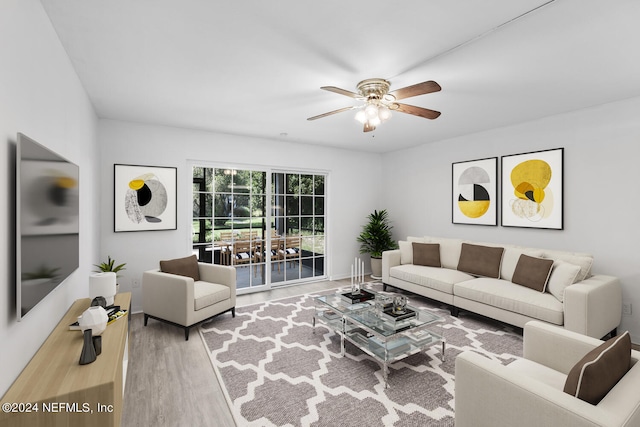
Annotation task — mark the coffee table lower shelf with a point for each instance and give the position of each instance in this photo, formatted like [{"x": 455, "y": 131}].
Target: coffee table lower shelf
[{"x": 392, "y": 350}]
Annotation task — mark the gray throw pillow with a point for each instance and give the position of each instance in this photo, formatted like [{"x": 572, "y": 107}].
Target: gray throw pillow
[
  {"x": 480, "y": 260},
  {"x": 426, "y": 254},
  {"x": 187, "y": 266},
  {"x": 532, "y": 272}
]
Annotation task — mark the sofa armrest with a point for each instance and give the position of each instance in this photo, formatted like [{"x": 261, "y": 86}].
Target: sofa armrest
[
  {"x": 555, "y": 347},
  {"x": 593, "y": 307},
  {"x": 489, "y": 394},
  {"x": 389, "y": 259},
  {"x": 221, "y": 274},
  {"x": 167, "y": 296}
]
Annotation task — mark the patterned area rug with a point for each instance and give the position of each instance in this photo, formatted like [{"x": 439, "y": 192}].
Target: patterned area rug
[{"x": 277, "y": 372}]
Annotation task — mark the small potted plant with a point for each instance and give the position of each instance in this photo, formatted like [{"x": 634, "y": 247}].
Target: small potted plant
[
  {"x": 109, "y": 266},
  {"x": 376, "y": 238}
]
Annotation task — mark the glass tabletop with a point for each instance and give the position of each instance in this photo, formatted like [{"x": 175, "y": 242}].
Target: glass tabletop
[
  {"x": 387, "y": 326},
  {"x": 341, "y": 304}
]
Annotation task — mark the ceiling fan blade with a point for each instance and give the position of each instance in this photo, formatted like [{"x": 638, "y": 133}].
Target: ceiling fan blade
[
  {"x": 368, "y": 127},
  {"x": 415, "y": 90},
  {"x": 341, "y": 91},
  {"x": 319, "y": 116},
  {"x": 416, "y": 111}
]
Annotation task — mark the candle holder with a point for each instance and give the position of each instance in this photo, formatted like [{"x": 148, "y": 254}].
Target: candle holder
[{"x": 357, "y": 276}]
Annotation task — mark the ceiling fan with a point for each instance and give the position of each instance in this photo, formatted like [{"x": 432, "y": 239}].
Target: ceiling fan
[{"x": 379, "y": 102}]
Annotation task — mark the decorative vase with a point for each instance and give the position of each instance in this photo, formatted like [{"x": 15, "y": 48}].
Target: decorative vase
[
  {"x": 88, "y": 354},
  {"x": 94, "y": 318},
  {"x": 103, "y": 284},
  {"x": 97, "y": 344}
]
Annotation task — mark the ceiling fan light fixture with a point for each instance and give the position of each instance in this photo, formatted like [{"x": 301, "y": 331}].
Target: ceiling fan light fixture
[
  {"x": 384, "y": 113},
  {"x": 374, "y": 121},
  {"x": 371, "y": 110},
  {"x": 361, "y": 116}
]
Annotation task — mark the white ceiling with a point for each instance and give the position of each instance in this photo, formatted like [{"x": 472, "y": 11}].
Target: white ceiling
[{"x": 255, "y": 67}]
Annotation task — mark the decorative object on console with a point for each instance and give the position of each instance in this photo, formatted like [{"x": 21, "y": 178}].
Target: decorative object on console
[
  {"x": 475, "y": 192},
  {"x": 104, "y": 285},
  {"x": 376, "y": 238},
  {"x": 88, "y": 354},
  {"x": 144, "y": 198},
  {"x": 94, "y": 318},
  {"x": 532, "y": 189},
  {"x": 100, "y": 300}
]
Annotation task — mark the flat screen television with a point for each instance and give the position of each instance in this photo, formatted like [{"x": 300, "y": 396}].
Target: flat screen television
[{"x": 47, "y": 226}]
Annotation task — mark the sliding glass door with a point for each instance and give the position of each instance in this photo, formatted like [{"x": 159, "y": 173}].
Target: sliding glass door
[{"x": 269, "y": 225}]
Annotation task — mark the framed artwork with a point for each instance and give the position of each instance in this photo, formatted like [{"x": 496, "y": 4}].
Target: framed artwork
[
  {"x": 532, "y": 189},
  {"x": 474, "y": 190},
  {"x": 144, "y": 198}
]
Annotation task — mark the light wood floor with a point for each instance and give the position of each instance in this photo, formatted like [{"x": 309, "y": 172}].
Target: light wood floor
[{"x": 170, "y": 381}]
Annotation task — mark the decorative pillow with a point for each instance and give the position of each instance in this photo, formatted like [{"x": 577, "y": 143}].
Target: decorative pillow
[
  {"x": 532, "y": 272},
  {"x": 406, "y": 252},
  {"x": 563, "y": 274},
  {"x": 600, "y": 369},
  {"x": 182, "y": 267},
  {"x": 426, "y": 254},
  {"x": 585, "y": 262},
  {"x": 449, "y": 250},
  {"x": 480, "y": 260},
  {"x": 511, "y": 257}
]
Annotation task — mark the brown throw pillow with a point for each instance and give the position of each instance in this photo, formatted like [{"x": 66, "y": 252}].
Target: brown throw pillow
[
  {"x": 480, "y": 260},
  {"x": 532, "y": 272},
  {"x": 426, "y": 254},
  {"x": 182, "y": 267},
  {"x": 600, "y": 369}
]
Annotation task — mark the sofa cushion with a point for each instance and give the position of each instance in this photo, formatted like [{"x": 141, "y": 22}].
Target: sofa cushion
[
  {"x": 511, "y": 257},
  {"x": 426, "y": 254},
  {"x": 480, "y": 260},
  {"x": 449, "y": 250},
  {"x": 600, "y": 369},
  {"x": 206, "y": 294},
  {"x": 441, "y": 279},
  {"x": 563, "y": 274},
  {"x": 406, "y": 252},
  {"x": 187, "y": 266},
  {"x": 585, "y": 261},
  {"x": 532, "y": 272},
  {"x": 507, "y": 296}
]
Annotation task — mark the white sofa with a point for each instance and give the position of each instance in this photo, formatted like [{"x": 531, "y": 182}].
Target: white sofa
[
  {"x": 529, "y": 391},
  {"x": 588, "y": 304}
]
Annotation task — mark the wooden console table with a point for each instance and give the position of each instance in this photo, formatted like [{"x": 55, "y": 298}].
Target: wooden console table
[{"x": 65, "y": 393}]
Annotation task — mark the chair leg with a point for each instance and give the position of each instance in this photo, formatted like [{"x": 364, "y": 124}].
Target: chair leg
[
  {"x": 146, "y": 318},
  {"x": 233, "y": 312},
  {"x": 186, "y": 334}
]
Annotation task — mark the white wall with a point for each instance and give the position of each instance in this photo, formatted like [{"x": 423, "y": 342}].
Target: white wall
[
  {"x": 40, "y": 96},
  {"x": 353, "y": 184},
  {"x": 601, "y": 157}
]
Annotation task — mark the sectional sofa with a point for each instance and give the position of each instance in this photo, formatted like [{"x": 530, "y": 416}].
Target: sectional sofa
[{"x": 509, "y": 283}]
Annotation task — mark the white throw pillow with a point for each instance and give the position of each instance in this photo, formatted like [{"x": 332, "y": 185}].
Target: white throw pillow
[
  {"x": 583, "y": 260},
  {"x": 449, "y": 250},
  {"x": 563, "y": 274},
  {"x": 406, "y": 252}
]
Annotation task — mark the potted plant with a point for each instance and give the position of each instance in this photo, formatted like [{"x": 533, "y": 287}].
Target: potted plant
[
  {"x": 109, "y": 266},
  {"x": 376, "y": 238}
]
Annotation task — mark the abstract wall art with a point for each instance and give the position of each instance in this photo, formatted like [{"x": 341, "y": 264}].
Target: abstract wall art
[
  {"x": 144, "y": 198},
  {"x": 475, "y": 191},
  {"x": 532, "y": 189}
]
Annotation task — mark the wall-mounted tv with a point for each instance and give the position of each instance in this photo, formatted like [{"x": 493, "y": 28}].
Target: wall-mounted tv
[{"x": 47, "y": 226}]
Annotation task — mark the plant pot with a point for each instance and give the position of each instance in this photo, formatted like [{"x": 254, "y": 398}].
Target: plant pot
[{"x": 376, "y": 268}]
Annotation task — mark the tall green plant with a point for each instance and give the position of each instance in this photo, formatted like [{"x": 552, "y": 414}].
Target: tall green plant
[{"x": 376, "y": 235}]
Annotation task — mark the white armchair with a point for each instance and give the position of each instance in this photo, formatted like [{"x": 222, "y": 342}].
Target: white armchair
[
  {"x": 185, "y": 302},
  {"x": 529, "y": 391}
]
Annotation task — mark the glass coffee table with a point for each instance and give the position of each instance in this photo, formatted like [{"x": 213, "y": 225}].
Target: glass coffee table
[{"x": 381, "y": 335}]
